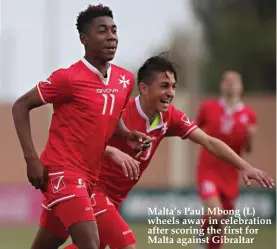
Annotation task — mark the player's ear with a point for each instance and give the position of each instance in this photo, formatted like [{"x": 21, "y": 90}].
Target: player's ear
[
  {"x": 142, "y": 87},
  {"x": 83, "y": 39}
]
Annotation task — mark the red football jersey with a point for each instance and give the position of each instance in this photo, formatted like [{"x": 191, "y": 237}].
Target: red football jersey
[
  {"x": 87, "y": 108},
  {"x": 230, "y": 126},
  {"x": 173, "y": 123}
]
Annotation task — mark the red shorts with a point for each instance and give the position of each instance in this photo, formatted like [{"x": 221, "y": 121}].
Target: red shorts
[
  {"x": 113, "y": 230},
  {"x": 209, "y": 188},
  {"x": 66, "y": 201}
]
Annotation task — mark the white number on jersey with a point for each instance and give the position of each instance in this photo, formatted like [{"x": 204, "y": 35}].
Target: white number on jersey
[{"x": 108, "y": 98}]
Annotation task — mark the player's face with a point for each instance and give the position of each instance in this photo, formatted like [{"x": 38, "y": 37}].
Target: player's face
[
  {"x": 231, "y": 84},
  {"x": 160, "y": 92},
  {"x": 101, "y": 39}
]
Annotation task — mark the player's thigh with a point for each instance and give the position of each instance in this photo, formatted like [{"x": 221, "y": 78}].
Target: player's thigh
[
  {"x": 84, "y": 234},
  {"x": 46, "y": 239},
  {"x": 114, "y": 231},
  {"x": 51, "y": 233},
  {"x": 210, "y": 194},
  {"x": 78, "y": 218}
]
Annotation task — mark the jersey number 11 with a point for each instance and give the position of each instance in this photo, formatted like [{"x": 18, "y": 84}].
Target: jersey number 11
[{"x": 108, "y": 98}]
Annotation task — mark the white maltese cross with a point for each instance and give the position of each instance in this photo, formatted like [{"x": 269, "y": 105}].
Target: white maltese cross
[{"x": 124, "y": 81}]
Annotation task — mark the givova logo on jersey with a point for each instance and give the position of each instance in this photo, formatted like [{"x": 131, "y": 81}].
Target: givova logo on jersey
[{"x": 107, "y": 90}]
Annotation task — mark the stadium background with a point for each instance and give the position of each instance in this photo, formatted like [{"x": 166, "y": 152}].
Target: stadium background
[{"x": 204, "y": 37}]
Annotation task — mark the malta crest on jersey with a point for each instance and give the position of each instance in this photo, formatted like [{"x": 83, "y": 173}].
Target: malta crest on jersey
[
  {"x": 186, "y": 120},
  {"x": 123, "y": 81}
]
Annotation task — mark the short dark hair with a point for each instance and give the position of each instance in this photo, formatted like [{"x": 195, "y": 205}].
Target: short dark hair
[
  {"x": 92, "y": 11},
  {"x": 155, "y": 64}
]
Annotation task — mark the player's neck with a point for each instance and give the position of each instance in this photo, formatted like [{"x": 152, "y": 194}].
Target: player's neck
[
  {"x": 151, "y": 114},
  {"x": 101, "y": 66},
  {"x": 230, "y": 101}
]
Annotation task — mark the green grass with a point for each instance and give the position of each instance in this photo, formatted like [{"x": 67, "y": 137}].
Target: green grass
[{"x": 21, "y": 237}]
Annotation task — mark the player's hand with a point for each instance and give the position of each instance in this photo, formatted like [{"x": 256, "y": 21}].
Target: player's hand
[
  {"x": 264, "y": 179},
  {"x": 138, "y": 140},
  {"x": 37, "y": 174},
  {"x": 129, "y": 165}
]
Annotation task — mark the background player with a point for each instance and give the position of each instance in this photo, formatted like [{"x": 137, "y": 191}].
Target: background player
[
  {"x": 87, "y": 98},
  {"x": 231, "y": 121},
  {"x": 152, "y": 113}
]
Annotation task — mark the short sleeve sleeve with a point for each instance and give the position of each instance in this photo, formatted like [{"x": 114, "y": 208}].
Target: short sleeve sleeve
[
  {"x": 180, "y": 125},
  {"x": 56, "y": 88}
]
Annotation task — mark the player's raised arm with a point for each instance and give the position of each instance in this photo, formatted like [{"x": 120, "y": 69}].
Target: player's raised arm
[{"x": 224, "y": 152}]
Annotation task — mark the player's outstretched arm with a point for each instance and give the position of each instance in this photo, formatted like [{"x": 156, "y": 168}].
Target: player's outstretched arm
[
  {"x": 129, "y": 165},
  {"x": 224, "y": 152},
  {"x": 21, "y": 117}
]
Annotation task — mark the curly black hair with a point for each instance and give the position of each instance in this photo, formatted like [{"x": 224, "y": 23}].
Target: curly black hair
[
  {"x": 155, "y": 64},
  {"x": 92, "y": 11}
]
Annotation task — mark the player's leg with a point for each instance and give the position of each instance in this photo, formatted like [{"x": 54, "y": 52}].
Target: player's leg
[
  {"x": 70, "y": 203},
  {"x": 113, "y": 230},
  {"x": 111, "y": 233},
  {"x": 214, "y": 209},
  {"x": 84, "y": 234},
  {"x": 45, "y": 239},
  {"x": 214, "y": 219},
  {"x": 51, "y": 233},
  {"x": 210, "y": 195},
  {"x": 227, "y": 204},
  {"x": 77, "y": 216}
]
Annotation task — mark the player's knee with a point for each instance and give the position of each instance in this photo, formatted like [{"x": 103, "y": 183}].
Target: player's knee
[{"x": 133, "y": 246}]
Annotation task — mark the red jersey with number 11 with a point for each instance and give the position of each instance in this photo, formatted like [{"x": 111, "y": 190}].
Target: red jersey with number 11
[{"x": 87, "y": 108}]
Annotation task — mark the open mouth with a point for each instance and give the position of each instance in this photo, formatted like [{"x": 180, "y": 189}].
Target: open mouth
[{"x": 165, "y": 102}]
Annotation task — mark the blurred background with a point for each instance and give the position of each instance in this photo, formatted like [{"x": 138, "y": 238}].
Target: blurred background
[{"x": 204, "y": 37}]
